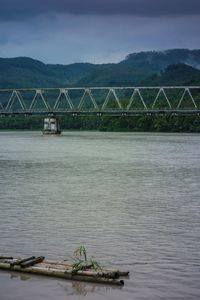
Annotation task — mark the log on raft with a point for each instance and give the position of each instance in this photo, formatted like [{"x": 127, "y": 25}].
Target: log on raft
[
  {"x": 6, "y": 257},
  {"x": 32, "y": 262},
  {"x": 21, "y": 261},
  {"x": 105, "y": 270},
  {"x": 119, "y": 272},
  {"x": 87, "y": 272},
  {"x": 39, "y": 270}
]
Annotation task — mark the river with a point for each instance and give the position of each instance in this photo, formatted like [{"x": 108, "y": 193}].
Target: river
[{"x": 132, "y": 199}]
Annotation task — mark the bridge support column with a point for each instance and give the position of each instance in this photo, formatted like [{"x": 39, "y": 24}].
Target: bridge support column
[{"x": 51, "y": 126}]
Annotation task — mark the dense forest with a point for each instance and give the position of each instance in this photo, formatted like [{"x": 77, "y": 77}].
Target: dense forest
[{"x": 159, "y": 123}]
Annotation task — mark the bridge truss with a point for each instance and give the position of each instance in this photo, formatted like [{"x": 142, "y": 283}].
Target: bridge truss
[{"x": 101, "y": 100}]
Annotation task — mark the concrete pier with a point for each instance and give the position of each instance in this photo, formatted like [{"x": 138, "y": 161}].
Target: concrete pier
[{"x": 51, "y": 126}]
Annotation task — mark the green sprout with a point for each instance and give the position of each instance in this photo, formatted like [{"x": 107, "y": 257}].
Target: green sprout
[
  {"x": 81, "y": 261},
  {"x": 81, "y": 253}
]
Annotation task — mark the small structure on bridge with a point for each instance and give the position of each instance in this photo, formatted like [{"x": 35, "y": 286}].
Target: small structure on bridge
[{"x": 51, "y": 126}]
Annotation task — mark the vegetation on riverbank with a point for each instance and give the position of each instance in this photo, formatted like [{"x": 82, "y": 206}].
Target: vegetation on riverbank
[{"x": 157, "y": 123}]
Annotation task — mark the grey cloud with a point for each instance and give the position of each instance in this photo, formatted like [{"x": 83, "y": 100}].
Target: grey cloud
[
  {"x": 95, "y": 39},
  {"x": 23, "y": 9}
]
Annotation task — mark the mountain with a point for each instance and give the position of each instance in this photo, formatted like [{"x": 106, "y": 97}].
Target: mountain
[
  {"x": 137, "y": 68},
  {"x": 156, "y": 61},
  {"x": 177, "y": 74},
  {"x": 26, "y": 72},
  {"x": 113, "y": 75},
  {"x": 176, "y": 66}
]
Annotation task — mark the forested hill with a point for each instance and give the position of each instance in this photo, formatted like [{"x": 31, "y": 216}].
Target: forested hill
[
  {"x": 170, "y": 67},
  {"x": 27, "y": 72}
]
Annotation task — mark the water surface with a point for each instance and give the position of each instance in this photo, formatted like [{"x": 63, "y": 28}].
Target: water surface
[{"x": 131, "y": 199}]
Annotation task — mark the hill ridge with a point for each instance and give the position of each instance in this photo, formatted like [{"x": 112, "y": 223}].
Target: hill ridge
[{"x": 137, "y": 68}]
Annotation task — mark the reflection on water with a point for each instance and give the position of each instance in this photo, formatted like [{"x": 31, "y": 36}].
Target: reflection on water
[
  {"x": 20, "y": 276},
  {"x": 83, "y": 289},
  {"x": 76, "y": 287},
  {"x": 131, "y": 199},
  {"x": 68, "y": 288}
]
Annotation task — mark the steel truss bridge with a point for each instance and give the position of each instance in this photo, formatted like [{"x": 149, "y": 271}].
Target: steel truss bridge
[{"x": 100, "y": 101}]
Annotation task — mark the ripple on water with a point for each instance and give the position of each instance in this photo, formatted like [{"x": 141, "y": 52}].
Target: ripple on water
[{"x": 132, "y": 199}]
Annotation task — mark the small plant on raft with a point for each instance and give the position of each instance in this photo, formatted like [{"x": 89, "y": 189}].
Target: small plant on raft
[
  {"x": 95, "y": 265},
  {"x": 81, "y": 253},
  {"x": 81, "y": 261}
]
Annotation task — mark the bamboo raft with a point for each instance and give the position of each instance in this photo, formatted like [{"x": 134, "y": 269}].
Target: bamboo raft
[{"x": 61, "y": 269}]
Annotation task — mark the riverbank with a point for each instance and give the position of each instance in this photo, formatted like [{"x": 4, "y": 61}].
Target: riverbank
[{"x": 146, "y": 123}]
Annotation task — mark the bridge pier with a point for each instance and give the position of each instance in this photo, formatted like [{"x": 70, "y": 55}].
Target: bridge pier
[{"x": 51, "y": 125}]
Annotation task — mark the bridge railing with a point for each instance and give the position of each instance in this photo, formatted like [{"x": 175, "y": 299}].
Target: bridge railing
[{"x": 100, "y": 100}]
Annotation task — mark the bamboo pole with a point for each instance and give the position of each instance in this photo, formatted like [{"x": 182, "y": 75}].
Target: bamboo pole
[
  {"x": 59, "y": 274},
  {"x": 21, "y": 261},
  {"x": 105, "y": 270},
  {"x": 93, "y": 273},
  {"x": 120, "y": 273}
]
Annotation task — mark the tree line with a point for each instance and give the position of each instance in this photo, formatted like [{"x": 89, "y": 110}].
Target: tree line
[{"x": 147, "y": 123}]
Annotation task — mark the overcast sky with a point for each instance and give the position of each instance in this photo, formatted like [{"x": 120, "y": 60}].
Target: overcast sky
[{"x": 97, "y": 31}]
